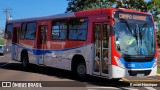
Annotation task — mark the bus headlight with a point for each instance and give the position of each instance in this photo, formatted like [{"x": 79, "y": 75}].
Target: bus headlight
[
  {"x": 155, "y": 63},
  {"x": 120, "y": 64}
]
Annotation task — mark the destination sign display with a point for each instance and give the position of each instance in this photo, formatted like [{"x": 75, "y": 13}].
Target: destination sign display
[
  {"x": 130, "y": 16},
  {"x": 133, "y": 16}
]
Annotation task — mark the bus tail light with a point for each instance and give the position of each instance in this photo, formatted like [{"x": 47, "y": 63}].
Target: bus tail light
[
  {"x": 120, "y": 64},
  {"x": 155, "y": 63}
]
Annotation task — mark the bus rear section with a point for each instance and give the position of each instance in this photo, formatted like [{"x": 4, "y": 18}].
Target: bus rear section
[{"x": 8, "y": 40}]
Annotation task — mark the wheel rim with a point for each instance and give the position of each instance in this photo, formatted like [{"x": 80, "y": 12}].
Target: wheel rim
[{"x": 81, "y": 70}]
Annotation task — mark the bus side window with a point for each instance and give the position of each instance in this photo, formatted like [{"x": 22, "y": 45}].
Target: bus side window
[
  {"x": 59, "y": 29},
  {"x": 78, "y": 29},
  {"x": 23, "y": 31}
]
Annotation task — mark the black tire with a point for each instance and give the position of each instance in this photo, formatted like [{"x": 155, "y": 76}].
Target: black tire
[
  {"x": 116, "y": 79},
  {"x": 81, "y": 70},
  {"x": 24, "y": 59}
]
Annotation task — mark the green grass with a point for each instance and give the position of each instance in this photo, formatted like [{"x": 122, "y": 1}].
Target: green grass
[{"x": 158, "y": 70}]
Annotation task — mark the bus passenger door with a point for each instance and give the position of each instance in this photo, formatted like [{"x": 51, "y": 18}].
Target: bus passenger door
[
  {"x": 101, "y": 54},
  {"x": 15, "y": 41},
  {"x": 42, "y": 41}
]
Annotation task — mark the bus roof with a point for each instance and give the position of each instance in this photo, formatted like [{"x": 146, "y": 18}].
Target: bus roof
[
  {"x": 43, "y": 18},
  {"x": 80, "y": 13}
]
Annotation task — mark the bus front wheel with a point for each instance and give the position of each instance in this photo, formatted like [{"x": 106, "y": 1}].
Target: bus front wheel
[{"x": 81, "y": 70}]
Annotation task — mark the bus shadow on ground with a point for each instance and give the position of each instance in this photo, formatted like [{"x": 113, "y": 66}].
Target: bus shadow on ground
[
  {"x": 63, "y": 74},
  {"x": 3, "y": 63}
]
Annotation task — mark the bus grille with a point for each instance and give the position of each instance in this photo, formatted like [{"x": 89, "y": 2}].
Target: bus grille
[
  {"x": 128, "y": 58},
  {"x": 135, "y": 72}
]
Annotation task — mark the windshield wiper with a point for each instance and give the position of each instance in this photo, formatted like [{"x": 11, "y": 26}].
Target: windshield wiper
[
  {"x": 127, "y": 24},
  {"x": 135, "y": 32},
  {"x": 141, "y": 32},
  {"x": 140, "y": 35}
]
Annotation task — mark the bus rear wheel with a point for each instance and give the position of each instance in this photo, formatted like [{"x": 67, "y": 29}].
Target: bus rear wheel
[{"x": 24, "y": 60}]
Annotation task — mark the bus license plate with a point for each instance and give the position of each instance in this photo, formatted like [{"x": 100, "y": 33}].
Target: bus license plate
[{"x": 140, "y": 75}]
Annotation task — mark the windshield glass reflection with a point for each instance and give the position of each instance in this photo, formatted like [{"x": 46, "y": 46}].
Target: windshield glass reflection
[{"x": 134, "y": 37}]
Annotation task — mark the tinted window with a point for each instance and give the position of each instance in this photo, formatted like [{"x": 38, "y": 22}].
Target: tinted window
[
  {"x": 59, "y": 30},
  {"x": 78, "y": 29},
  {"x": 23, "y": 30},
  {"x": 8, "y": 33},
  {"x": 31, "y": 31}
]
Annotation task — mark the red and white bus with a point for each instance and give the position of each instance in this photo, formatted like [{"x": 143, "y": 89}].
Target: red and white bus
[{"x": 108, "y": 42}]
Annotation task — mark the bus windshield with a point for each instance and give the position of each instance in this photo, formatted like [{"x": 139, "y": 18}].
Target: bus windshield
[{"x": 134, "y": 37}]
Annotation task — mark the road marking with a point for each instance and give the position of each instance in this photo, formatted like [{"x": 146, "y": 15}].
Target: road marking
[
  {"x": 5, "y": 64},
  {"x": 92, "y": 89},
  {"x": 1, "y": 56},
  {"x": 102, "y": 88},
  {"x": 150, "y": 88},
  {"x": 126, "y": 88}
]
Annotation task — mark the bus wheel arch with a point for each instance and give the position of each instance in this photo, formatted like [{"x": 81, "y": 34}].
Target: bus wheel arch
[
  {"x": 78, "y": 66},
  {"x": 24, "y": 58}
]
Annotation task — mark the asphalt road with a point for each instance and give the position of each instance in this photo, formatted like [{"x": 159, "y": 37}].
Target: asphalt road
[{"x": 57, "y": 79}]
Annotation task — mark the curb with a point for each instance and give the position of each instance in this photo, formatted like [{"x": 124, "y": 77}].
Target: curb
[
  {"x": 124, "y": 79},
  {"x": 158, "y": 74},
  {"x": 144, "y": 81}
]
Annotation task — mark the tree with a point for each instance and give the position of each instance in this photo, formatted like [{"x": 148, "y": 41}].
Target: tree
[
  {"x": 80, "y": 5},
  {"x": 1, "y": 37},
  {"x": 1, "y": 41},
  {"x": 158, "y": 32},
  {"x": 153, "y": 7},
  {"x": 140, "y": 5}
]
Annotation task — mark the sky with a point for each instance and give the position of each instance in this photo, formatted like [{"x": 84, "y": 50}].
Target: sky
[{"x": 31, "y": 8}]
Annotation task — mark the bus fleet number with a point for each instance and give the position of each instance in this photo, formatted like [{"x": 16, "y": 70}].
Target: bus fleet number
[{"x": 131, "y": 65}]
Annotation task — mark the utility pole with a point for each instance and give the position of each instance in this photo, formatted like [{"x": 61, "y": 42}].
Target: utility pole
[{"x": 7, "y": 11}]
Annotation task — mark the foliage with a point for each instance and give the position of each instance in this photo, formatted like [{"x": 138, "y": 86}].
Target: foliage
[
  {"x": 158, "y": 70},
  {"x": 154, "y": 7},
  {"x": 1, "y": 41},
  {"x": 158, "y": 33},
  {"x": 132, "y": 4},
  {"x": 79, "y": 5}
]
